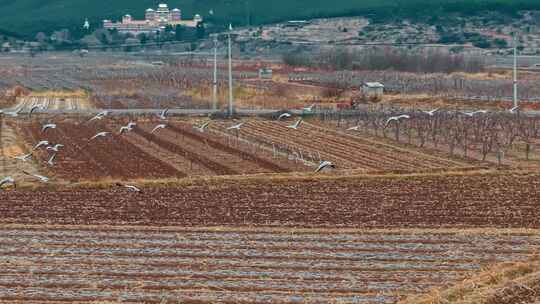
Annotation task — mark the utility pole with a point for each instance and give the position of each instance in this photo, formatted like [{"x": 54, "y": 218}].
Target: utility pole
[
  {"x": 515, "y": 74},
  {"x": 214, "y": 96},
  {"x": 231, "y": 105}
]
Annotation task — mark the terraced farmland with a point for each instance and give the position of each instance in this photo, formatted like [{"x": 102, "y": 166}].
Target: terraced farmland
[
  {"x": 217, "y": 153},
  {"x": 261, "y": 146},
  {"x": 42, "y": 264}
]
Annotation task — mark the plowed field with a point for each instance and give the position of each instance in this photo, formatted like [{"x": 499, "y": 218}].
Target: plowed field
[
  {"x": 109, "y": 157},
  {"x": 477, "y": 200},
  {"x": 344, "y": 150},
  {"x": 42, "y": 264}
]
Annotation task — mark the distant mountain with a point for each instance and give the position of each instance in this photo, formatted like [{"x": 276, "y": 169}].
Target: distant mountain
[{"x": 27, "y": 17}]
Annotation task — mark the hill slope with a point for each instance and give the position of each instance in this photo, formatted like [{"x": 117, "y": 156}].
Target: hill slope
[{"x": 27, "y": 17}]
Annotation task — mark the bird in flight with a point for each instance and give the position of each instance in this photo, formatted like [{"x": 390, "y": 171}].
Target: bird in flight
[
  {"x": 99, "y": 116},
  {"x": 13, "y": 113},
  {"x": 55, "y": 148},
  {"x": 127, "y": 128},
  {"x": 48, "y": 126},
  {"x": 40, "y": 144},
  {"x": 396, "y": 118},
  {"x": 284, "y": 116},
  {"x": 7, "y": 181},
  {"x": 41, "y": 178},
  {"x": 432, "y": 112},
  {"x": 236, "y": 127},
  {"x": 310, "y": 108},
  {"x": 472, "y": 114},
  {"x": 24, "y": 158},
  {"x": 355, "y": 128},
  {"x": 50, "y": 162},
  {"x": 33, "y": 109},
  {"x": 124, "y": 129},
  {"x": 130, "y": 188},
  {"x": 100, "y": 134},
  {"x": 514, "y": 110},
  {"x": 325, "y": 164},
  {"x": 296, "y": 125},
  {"x": 163, "y": 114},
  {"x": 202, "y": 127},
  {"x": 162, "y": 126}
]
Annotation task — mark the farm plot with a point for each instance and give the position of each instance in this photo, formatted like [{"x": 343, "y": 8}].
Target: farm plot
[
  {"x": 504, "y": 200},
  {"x": 313, "y": 143},
  {"x": 43, "y": 264},
  {"x": 69, "y": 103},
  {"x": 110, "y": 157},
  {"x": 11, "y": 147},
  {"x": 214, "y": 154}
]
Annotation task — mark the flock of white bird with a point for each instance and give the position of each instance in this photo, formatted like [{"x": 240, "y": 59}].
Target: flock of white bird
[{"x": 55, "y": 148}]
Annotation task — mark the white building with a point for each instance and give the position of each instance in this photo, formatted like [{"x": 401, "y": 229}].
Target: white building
[
  {"x": 155, "y": 20},
  {"x": 373, "y": 89}
]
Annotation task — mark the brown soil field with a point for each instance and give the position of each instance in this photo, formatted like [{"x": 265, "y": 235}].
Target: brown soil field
[
  {"x": 261, "y": 147},
  {"x": 344, "y": 150},
  {"x": 111, "y": 157},
  {"x": 504, "y": 200}
]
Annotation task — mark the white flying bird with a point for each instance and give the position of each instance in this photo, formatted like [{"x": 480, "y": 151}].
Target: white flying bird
[
  {"x": 124, "y": 129},
  {"x": 296, "y": 125},
  {"x": 13, "y": 113},
  {"x": 432, "y": 112},
  {"x": 284, "y": 115},
  {"x": 396, "y": 118},
  {"x": 355, "y": 128},
  {"x": 310, "y": 108},
  {"x": 514, "y": 110},
  {"x": 163, "y": 114},
  {"x": 471, "y": 114},
  {"x": 41, "y": 178},
  {"x": 6, "y": 181},
  {"x": 55, "y": 148},
  {"x": 99, "y": 116},
  {"x": 33, "y": 109},
  {"x": 127, "y": 128},
  {"x": 130, "y": 188},
  {"x": 48, "y": 126},
  {"x": 162, "y": 126},
  {"x": 50, "y": 162},
  {"x": 236, "y": 127},
  {"x": 323, "y": 165},
  {"x": 100, "y": 134},
  {"x": 202, "y": 127},
  {"x": 41, "y": 144},
  {"x": 24, "y": 158}
]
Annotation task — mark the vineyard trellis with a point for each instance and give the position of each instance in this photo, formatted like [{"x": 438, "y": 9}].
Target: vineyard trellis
[
  {"x": 497, "y": 132},
  {"x": 443, "y": 85}
]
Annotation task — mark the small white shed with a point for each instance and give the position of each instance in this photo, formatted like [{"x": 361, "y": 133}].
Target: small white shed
[
  {"x": 373, "y": 89},
  {"x": 265, "y": 73}
]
